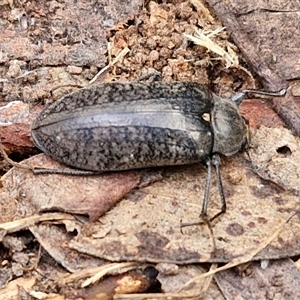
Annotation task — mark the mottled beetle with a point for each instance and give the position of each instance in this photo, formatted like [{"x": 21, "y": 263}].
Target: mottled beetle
[{"x": 121, "y": 126}]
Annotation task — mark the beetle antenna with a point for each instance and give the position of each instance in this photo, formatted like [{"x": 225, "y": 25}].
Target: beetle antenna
[{"x": 239, "y": 97}]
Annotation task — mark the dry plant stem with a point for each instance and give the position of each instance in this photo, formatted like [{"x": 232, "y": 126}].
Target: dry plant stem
[
  {"x": 11, "y": 162},
  {"x": 106, "y": 68},
  {"x": 17, "y": 225},
  {"x": 95, "y": 274},
  {"x": 148, "y": 296},
  {"x": 178, "y": 295},
  {"x": 109, "y": 268},
  {"x": 208, "y": 279},
  {"x": 204, "y": 39},
  {"x": 200, "y": 295}
]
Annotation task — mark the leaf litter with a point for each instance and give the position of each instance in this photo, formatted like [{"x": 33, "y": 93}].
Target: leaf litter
[{"x": 145, "y": 226}]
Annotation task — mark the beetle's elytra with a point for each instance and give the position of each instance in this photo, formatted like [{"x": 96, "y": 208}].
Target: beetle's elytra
[{"x": 119, "y": 126}]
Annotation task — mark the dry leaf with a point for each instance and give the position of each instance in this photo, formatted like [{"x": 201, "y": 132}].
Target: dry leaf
[{"x": 89, "y": 195}]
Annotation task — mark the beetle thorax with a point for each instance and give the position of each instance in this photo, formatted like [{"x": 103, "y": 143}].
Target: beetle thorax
[{"x": 228, "y": 127}]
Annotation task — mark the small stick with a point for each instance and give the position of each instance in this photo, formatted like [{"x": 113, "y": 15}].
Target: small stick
[{"x": 11, "y": 162}]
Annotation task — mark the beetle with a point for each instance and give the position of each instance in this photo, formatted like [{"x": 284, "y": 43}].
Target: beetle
[{"x": 120, "y": 126}]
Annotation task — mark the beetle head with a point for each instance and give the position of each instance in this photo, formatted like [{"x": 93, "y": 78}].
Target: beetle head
[{"x": 229, "y": 127}]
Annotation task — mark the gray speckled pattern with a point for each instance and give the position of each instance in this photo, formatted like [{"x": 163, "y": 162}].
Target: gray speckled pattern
[{"x": 119, "y": 126}]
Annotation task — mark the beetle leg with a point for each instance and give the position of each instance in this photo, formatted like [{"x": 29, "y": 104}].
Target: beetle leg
[
  {"x": 156, "y": 76},
  {"x": 75, "y": 172},
  {"x": 203, "y": 214},
  {"x": 216, "y": 162},
  {"x": 37, "y": 170}
]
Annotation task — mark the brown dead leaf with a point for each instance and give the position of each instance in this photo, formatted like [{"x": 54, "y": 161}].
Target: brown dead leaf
[
  {"x": 11, "y": 291},
  {"x": 90, "y": 195},
  {"x": 275, "y": 155},
  {"x": 146, "y": 225},
  {"x": 148, "y": 229},
  {"x": 55, "y": 241}
]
